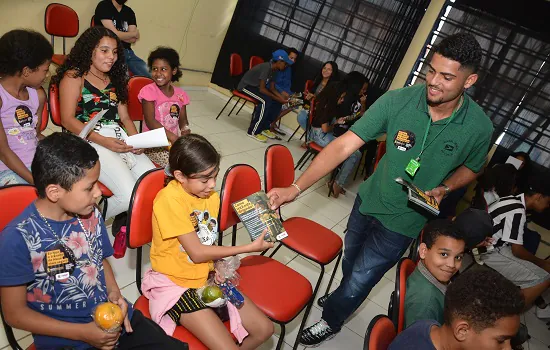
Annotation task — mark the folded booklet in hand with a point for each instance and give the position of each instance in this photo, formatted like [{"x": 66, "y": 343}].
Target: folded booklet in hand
[
  {"x": 259, "y": 218},
  {"x": 419, "y": 197}
]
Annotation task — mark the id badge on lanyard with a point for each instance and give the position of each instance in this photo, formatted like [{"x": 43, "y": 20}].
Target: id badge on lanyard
[{"x": 414, "y": 164}]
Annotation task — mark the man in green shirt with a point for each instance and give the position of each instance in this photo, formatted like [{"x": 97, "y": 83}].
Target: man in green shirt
[
  {"x": 441, "y": 253},
  {"x": 436, "y": 131}
]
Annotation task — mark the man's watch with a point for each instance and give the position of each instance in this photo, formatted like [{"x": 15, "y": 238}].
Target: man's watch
[{"x": 447, "y": 189}]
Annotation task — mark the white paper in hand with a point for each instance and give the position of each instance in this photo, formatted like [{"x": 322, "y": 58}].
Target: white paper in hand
[
  {"x": 148, "y": 139},
  {"x": 90, "y": 125},
  {"x": 514, "y": 161}
]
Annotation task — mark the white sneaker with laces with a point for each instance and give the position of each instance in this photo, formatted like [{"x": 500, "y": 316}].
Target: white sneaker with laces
[{"x": 543, "y": 313}]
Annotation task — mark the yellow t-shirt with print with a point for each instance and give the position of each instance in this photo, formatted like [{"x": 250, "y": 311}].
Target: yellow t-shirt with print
[{"x": 176, "y": 212}]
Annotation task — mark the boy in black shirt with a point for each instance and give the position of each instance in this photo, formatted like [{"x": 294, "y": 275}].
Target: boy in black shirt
[{"x": 121, "y": 19}]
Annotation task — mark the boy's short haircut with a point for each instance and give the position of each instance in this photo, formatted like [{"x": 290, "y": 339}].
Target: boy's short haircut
[
  {"x": 440, "y": 227},
  {"x": 61, "y": 159},
  {"x": 481, "y": 296},
  {"x": 536, "y": 184},
  {"x": 475, "y": 225}
]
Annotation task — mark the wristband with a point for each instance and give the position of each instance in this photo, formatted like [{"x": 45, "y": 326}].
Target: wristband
[
  {"x": 447, "y": 189},
  {"x": 298, "y": 188}
]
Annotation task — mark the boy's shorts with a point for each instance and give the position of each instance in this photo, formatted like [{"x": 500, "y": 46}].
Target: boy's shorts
[{"x": 522, "y": 273}]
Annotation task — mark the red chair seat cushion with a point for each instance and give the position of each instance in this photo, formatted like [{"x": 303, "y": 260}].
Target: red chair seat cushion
[
  {"x": 58, "y": 59},
  {"x": 105, "y": 192},
  {"x": 279, "y": 291},
  {"x": 312, "y": 240},
  {"x": 315, "y": 146},
  {"x": 181, "y": 333},
  {"x": 246, "y": 97}
]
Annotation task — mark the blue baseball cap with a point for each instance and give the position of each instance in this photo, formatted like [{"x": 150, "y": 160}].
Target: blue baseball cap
[{"x": 281, "y": 55}]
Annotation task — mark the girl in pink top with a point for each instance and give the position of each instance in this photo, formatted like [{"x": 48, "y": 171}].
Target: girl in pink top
[
  {"x": 25, "y": 58},
  {"x": 164, "y": 105}
]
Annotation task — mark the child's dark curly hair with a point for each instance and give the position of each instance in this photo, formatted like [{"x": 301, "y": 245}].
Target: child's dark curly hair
[
  {"x": 80, "y": 60},
  {"x": 461, "y": 47},
  {"x": 169, "y": 55},
  {"x": 23, "y": 48},
  {"x": 482, "y": 296}
]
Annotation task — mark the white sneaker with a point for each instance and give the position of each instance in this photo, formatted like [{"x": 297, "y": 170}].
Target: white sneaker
[{"x": 543, "y": 313}]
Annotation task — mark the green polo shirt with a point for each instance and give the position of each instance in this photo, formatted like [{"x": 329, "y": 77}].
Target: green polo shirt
[
  {"x": 403, "y": 115},
  {"x": 423, "y": 300}
]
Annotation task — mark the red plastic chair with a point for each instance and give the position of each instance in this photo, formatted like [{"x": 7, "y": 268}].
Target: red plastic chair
[
  {"x": 254, "y": 61},
  {"x": 312, "y": 147},
  {"x": 139, "y": 228},
  {"x": 396, "y": 311},
  {"x": 279, "y": 291},
  {"x": 135, "y": 84},
  {"x": 380, "y": 333},
  {"x": 60, "y": 20},
  {"x": 55, "y": 113},
  {"x": 235, "y": 70},
  {"x": 307, "y": 238},
  {"x": 19, "y": 197}
]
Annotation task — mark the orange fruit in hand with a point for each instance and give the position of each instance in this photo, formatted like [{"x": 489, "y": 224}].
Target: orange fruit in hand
[{"x": 108, "y": 316}]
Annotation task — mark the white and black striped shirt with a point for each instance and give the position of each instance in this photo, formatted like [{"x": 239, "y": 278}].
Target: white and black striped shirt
[{"x": 509, "y": 217}]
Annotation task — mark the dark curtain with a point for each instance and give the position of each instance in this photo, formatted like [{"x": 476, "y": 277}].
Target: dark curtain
[{"x": 368, "y": 36}]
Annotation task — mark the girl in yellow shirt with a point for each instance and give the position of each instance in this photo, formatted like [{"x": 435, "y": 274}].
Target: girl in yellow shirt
[{"x": 185, "y": 230}]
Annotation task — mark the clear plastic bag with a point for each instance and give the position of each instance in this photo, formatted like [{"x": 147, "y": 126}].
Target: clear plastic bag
[{"x": 108, "y": 316}]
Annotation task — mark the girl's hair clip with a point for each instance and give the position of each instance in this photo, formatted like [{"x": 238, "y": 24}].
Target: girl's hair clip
[{"x": 167, "y": 171}]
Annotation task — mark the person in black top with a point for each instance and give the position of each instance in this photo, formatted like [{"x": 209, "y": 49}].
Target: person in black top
[
  {"x": 329, "y": 114},
  {"x": 121, "y": 19}
]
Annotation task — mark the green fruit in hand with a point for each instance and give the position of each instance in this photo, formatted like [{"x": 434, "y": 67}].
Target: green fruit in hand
[{"x": 211, "y": 293}]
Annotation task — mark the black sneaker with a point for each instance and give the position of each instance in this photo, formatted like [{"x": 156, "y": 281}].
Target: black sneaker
[
  {"x": 322, "y": 300},
  {"x": 314, "y": 335}
]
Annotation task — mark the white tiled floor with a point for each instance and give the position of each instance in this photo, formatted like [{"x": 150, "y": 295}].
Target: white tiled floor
[{"x": 228, "y": 134}]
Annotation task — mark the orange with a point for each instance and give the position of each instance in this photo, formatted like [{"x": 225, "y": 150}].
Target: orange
[{"x": 108, "y": 316}]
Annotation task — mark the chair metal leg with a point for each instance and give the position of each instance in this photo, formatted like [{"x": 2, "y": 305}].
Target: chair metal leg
[
  {"x": 224, "y": 107},
  {"x": 334, "y": 272},
  {"x": 276, "y": 249},
  {"x": 235, "y": 105},
  {"x": 244, "y": 102},
  {"x": 306, "y": 153},
  {"x": 304, "y": 134},
  {"x": 281, "y": 337},
  {"x": 294, "y": 133},
  {"x": 308, "y": 308},
  {"x": 310, "y": 155},
  {"x": 234, "y": 236}
]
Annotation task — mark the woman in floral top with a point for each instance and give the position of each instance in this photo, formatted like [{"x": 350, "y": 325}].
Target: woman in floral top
[{"x": 94, "y": 78}]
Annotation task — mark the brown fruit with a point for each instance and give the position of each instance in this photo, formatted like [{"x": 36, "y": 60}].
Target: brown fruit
[{"x": 108, "y": 316}]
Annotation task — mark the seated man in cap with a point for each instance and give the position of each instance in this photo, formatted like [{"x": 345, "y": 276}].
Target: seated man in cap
[{"x": 259, "y": 83}]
